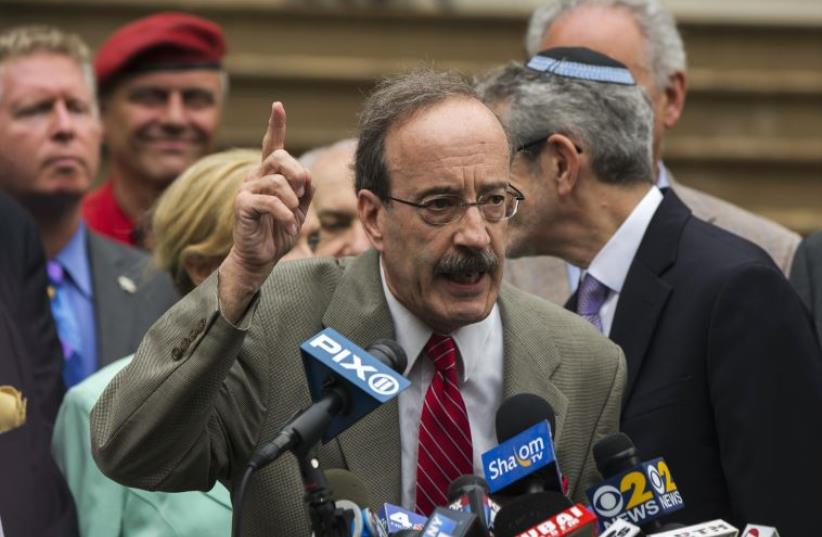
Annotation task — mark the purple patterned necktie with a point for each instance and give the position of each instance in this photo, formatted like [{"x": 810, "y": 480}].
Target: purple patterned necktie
[{"x": 590, "y": 297}]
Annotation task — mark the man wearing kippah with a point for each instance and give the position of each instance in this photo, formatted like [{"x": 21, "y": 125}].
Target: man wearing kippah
[
  {"x": 161, "y": 89},
  {"x": 643, "y": 35},
  {"x": 720, "y": 349}
]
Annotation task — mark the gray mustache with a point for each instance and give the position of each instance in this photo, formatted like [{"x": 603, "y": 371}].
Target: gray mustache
[{"x": 468, "y": 261}]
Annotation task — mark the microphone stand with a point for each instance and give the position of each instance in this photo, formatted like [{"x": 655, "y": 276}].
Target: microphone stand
[{"x": 326, "y": 519}]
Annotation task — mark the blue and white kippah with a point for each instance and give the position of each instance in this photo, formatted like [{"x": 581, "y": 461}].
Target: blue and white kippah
[{"x": 581, "y": 63}]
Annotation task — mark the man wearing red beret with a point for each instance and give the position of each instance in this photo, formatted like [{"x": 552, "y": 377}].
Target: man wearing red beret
[{"x": 161, "y": 89}]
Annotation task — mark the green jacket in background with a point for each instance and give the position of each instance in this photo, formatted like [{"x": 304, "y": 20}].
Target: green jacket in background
[{"x": 106, "y": 508}]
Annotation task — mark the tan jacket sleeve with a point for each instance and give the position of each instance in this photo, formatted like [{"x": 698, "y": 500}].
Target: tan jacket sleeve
[{"x": 186, "y": 406}]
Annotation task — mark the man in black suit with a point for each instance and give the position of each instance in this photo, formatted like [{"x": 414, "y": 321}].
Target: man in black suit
[
  {"x": 34, "y": 498},
  {"x": 806, "y": 276},
  {"x": 720, "y": 352},
  {"x": 104, "y": 298}
]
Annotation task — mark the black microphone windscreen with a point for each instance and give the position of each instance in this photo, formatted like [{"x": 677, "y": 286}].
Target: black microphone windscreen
[
  {"x": 520, "y": 412},
  {"x": 390, "y": 353},
  {"x": 345, "y": 485},
  {"x": 615, "y": 453},
  {"x": 463, "y": 484},
  {"x": 527, "y": 511}
]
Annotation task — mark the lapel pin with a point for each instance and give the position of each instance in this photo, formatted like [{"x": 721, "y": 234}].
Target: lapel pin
[
  {"x": 12, "y": 408},
  {"x": 127, "y": 284}
]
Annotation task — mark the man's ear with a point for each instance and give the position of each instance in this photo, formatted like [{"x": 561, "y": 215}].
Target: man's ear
[
  {"x": 371, "y": 211},
  {"x": 674, "y": 93},
  {"x": 567, "y": 162}
]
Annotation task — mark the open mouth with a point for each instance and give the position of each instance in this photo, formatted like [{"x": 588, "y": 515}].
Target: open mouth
[{"x": 464, "y": 278}]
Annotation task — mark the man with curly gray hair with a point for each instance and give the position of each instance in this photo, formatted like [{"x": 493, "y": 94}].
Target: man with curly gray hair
[{"x": 643, "y": 35}]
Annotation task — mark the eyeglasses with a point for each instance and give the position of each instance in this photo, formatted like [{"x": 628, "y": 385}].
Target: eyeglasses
[
  {"x": 445, "y": 209},
  {"x": 533, "y": 143}
]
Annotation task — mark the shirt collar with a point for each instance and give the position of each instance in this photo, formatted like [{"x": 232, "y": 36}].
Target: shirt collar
[
  {"x": 412, "y": 334},
  {"x": 74, "y": 260},
  {"x": 610, "y": 265},
  {"x": 662, "y": 180}
]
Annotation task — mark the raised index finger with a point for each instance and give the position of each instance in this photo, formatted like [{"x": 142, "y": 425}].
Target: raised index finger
[{"x": 275, "y": 134}]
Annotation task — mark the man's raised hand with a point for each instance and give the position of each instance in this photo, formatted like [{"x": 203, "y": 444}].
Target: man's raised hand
[{"x": 269, "y": 211}]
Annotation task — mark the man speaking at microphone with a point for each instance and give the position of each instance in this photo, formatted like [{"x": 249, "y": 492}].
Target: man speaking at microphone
[{"x": 221, "y": 374}]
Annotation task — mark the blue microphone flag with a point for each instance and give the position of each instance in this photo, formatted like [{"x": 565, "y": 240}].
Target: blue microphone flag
[
  {"x": 638, "y": 495},
  {"x": 519, "y": 456},
  {"x": 394, "y": 518},
  {"x": 371, "y": 382}
]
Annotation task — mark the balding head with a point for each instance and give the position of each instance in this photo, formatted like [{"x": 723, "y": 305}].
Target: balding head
[{"x": 335, "y": 202}]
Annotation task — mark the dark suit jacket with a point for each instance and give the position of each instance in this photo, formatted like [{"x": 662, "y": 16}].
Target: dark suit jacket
[
  {"x": 201, "y": 393},
  {"x": 34, "y": 498},
  {"x": 806, "y": 276},
  {"x": 124, "y": 313},
  {"x": 724, "y": 374}
]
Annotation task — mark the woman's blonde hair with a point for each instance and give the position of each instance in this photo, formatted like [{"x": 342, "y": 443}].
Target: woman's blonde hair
[{"x": 194, "y": 217}]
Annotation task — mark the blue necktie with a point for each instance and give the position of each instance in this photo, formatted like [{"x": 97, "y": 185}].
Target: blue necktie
[{"x": 66, "y": 321}]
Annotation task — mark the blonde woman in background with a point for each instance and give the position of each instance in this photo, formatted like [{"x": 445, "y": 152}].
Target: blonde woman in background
[
  {"x": 192, "y": 221},
  {"x": 191, "y": 234}
]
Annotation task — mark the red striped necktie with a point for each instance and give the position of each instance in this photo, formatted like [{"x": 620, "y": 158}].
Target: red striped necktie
[{"x": 445, "y": 448}]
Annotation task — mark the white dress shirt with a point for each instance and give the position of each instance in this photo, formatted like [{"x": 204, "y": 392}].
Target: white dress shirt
[
  {"x": 479, "y": 367},
  {"x": 610, "y": 265}
]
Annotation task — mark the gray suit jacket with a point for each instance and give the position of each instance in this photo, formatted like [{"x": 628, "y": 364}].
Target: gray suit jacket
[
  {"x": 201, "y": 394},
  {"x": 128, "y": 296},
  {"x": 545, "y": 276},
  {"x": 806, "y": 277}
]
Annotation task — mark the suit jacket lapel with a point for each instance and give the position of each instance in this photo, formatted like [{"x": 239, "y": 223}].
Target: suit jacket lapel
[
  {"x": 114, "y": 321},
  {"x": 645, "y": 292},
  {"x": 370, "y": 447},
  {"x": 640, "y": 305},
  {"x": 530, "y": 359}
]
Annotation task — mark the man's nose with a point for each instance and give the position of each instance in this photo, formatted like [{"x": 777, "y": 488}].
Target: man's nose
[
  {"x": 64, "y": 122},
  {"x": 174, "y": 112},
  {"x": 473, "y": 230}
]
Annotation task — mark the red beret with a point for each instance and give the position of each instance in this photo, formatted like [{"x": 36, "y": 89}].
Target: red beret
[{"x": 161, "y": 41}]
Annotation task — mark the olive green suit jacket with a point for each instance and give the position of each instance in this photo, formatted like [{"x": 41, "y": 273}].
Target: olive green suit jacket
[{"x": 201, "y": 394}]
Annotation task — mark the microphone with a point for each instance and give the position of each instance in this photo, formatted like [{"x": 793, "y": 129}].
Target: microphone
[
  {"x": 575, "y": 521},
  {"x": 346, "y": 382},
  {"x": 523, "y": 466},
  {"x": 395, "y": 519},
  {"x": 753, "y": 530},
  {"x": 448, "y": 523},
  {"x": 714, "y": 528},
  {"x": 524, "y": 461},
  {"x": 637, "y": 492},
  {"x": 352, "y": 496},
  {"x": 469, "y": 494}
]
